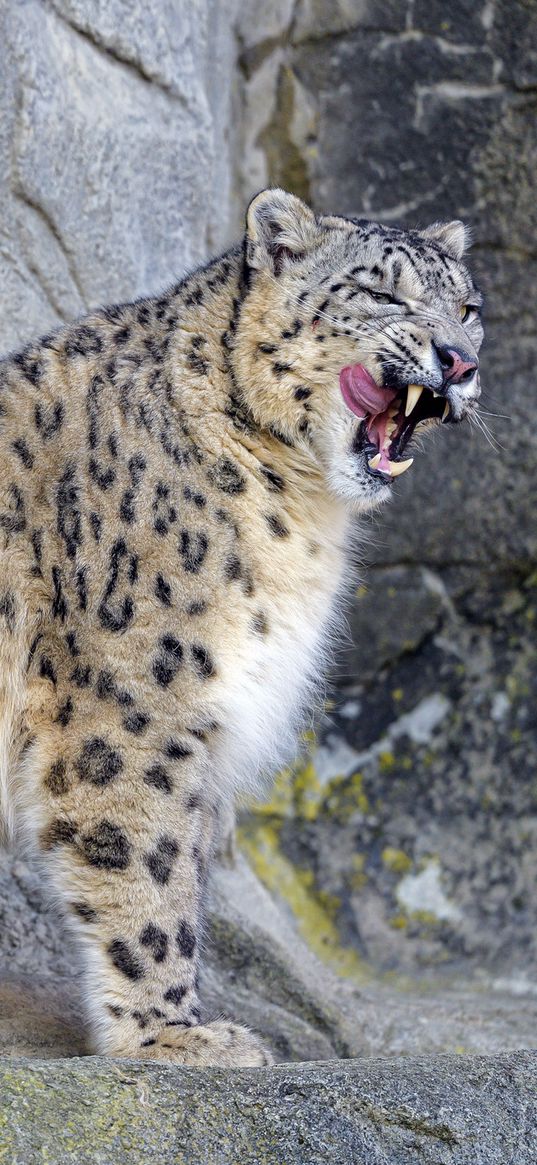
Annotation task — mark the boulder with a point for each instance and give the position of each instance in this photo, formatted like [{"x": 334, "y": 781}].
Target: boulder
[{"x": 435, "y": 1110}]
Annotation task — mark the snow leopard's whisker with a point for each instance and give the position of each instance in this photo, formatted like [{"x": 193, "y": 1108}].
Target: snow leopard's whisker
[
  {"x": 481, "y": 425},
  {"x": 344, "y": 329}
]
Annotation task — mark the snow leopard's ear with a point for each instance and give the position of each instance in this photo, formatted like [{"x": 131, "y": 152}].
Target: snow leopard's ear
[
  {"x": 280, "y": 229},
  {"x": 452, "y": 237}
]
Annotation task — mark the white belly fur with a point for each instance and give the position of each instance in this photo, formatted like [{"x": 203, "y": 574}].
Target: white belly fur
[{"x": 269, "y": 687}]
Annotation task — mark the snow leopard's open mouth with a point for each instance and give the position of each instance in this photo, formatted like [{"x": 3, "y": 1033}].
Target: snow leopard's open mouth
[{"x": 389, "y": 417}]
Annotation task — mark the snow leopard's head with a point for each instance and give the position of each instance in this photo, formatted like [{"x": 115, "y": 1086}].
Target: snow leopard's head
[{"x": 354, "y": 336}]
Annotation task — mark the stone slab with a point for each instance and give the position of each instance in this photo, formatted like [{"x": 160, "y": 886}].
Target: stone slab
[{"x": 435, "y": 1111}]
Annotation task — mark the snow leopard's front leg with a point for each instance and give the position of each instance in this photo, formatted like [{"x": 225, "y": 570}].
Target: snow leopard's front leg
[{"x": 127, "y": 836}]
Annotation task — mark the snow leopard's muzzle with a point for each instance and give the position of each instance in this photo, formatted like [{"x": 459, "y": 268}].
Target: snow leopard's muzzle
[{"x": 391, "y": 411}]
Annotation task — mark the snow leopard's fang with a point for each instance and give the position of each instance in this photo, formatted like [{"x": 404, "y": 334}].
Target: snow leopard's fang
[{"x": 389, "y": 416}]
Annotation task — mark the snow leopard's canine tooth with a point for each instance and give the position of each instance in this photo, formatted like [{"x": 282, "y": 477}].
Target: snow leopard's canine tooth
[
  {"x": 413, "y": 395},
  {"x": 399, "y": 467}
]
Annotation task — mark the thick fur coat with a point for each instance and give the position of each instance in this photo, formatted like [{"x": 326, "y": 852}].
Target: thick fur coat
[{"x": 177, "y": 480}]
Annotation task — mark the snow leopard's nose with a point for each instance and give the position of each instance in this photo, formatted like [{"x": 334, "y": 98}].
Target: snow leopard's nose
[{"x": 458, "y": 367}]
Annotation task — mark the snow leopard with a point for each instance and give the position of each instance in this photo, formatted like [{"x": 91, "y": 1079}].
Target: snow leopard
[{"x": 180, "y": 477}]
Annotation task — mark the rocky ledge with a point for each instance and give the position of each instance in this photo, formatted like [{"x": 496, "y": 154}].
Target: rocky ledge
[{"x": 440, "y": 1110}]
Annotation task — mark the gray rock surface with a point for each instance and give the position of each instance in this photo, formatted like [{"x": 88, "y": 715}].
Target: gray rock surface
[
  {"x": 116, "y": 148},
  {"x": 426, "y": 843},
  {"x": 435, "y": 1111},
  {"x": 259, "y": 968}
]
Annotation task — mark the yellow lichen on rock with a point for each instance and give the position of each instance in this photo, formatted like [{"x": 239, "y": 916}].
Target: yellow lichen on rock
[
  {"x": 396, "y": 860},
  {"x": 308, "y": 792},
  {"x": 312, "y": 910},
  {"x": 358, "y": 877}
]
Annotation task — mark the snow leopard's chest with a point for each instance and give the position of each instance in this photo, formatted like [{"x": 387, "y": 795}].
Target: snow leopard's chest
[{"x": 270, "y": 682}]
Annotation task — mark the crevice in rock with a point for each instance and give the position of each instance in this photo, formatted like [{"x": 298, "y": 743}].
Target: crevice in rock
[
  {"x": 51, "y": 228},
  {"x": 117, "y": 55}
]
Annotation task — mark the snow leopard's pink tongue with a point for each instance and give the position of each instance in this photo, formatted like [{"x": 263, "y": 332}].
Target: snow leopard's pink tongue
[{"x": 361, "y": 394}]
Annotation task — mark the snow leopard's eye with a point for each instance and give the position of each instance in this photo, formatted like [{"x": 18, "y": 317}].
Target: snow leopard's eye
[
  {"x": 380, "y": 296},
  {"x": 468, "y": 312}
]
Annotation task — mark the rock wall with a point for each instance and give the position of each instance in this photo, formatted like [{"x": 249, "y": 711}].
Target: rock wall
[
  {"x": 415, "y": 827},
  {"x": 116, "y": 150}
]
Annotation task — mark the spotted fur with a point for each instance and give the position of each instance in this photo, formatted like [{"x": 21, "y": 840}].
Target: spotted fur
[{"x": 176, "y": 480}]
